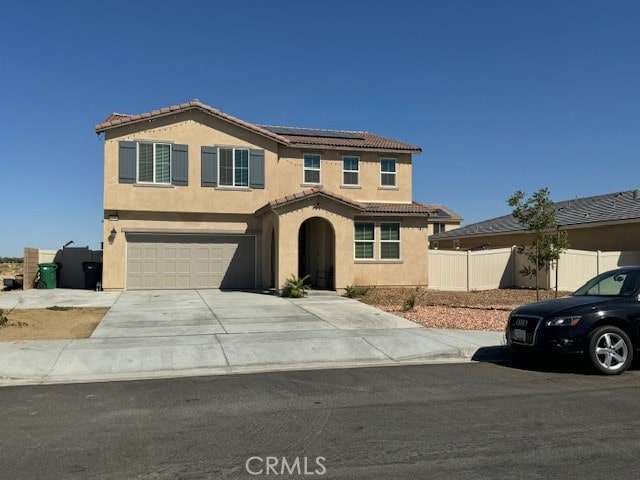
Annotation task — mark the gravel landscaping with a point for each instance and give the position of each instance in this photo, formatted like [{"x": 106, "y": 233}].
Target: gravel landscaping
[{"x": 483, "y": 310}]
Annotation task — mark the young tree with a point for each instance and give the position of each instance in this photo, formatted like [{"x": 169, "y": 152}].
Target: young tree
[{"x": 538, "y": 215}]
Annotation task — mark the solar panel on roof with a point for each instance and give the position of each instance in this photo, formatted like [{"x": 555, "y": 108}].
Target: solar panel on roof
[{"x": 312, "y": 132}]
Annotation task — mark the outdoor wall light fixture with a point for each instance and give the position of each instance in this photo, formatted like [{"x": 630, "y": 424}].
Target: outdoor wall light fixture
[
  {"x": 114, "y": 217},
  {"x": 112, "y": 235}
]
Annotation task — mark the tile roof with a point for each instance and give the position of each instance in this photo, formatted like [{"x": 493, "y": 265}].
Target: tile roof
[
  {"x": 356, "y": 140},
  {"x": 608, "y": 208},
  {"x": 413, "y": 208},
  {"x": 295, "y": 137},
  {"x": 364, "y": 208},
  {"x": 288, "y": 199},
  {"x": 118, "y": 119}
]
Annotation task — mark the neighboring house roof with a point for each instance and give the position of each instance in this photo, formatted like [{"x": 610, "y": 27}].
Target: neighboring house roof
[
  {"x": 608, "y": 208},
  {"x": 415, "y": 209},
  {"x": 289, "y": 136}
]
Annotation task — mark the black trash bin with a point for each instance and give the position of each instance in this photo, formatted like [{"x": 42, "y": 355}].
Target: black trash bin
[{"x": 92, "y": 274}]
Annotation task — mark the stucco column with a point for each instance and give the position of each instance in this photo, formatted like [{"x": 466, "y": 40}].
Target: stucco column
[{"x": 292, "y": 217}]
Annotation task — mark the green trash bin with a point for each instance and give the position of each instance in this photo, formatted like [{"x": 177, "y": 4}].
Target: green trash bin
[{"x": 47, "y": 275}]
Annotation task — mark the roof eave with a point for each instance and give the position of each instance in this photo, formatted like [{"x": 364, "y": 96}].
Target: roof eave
[
  {"x": 353, "y": 148},
  {"x": 103, "y": 127},
  {"x": 269, "y": 207},
  {"x": 395, "y": 214}
]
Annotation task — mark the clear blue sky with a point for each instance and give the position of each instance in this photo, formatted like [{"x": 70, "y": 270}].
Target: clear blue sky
[{"x": 501, "y": 95}]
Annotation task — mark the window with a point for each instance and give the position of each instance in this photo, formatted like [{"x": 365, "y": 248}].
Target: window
[
  {"x": 234, "y": 167},
  {"x": 364, "y": 240},
  {"x": 350, "y": 170},
  {"x": 154, "y": 163},
  {"x": 390, "y": 241},
  {"x": 438, "y": 227},
  {"x": 388, "y": 172},
  {"x": 312, "y": 169}
]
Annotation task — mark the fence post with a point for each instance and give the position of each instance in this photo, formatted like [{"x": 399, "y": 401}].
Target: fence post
[
  {"x": 514, "y": 258},
  {"x": 468, "y": 270}
]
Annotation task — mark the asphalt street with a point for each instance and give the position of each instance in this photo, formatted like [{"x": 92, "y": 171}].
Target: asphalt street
[{"x": 454, "y": 421}]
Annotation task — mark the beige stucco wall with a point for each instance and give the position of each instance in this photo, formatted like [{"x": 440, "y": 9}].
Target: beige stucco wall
[
  {"x": 411, "y": 269},
  {"x": 611, "y": 237},
  {"x": 114, "y": 252},
  {"x": 227, "y": 209},
  {"x": 448, "y": 225},
  {"x": 283, "y": 169},
  {"x": 341, "y": 219},
  {"x": 291, "y": 176},
  {"x": 269, "y": 249},
  {"x": 194, "y": 129}
]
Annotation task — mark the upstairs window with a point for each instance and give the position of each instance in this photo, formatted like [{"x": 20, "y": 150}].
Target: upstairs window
[
  {"x": 438, "y": 227},
  {"x": 390, "y": 241},
  {"x": 364, "y": 240},
  {"x": 350, "y": 170},
  {"x": 387, "y": 172},
  {"x": 311, "y": 168},
  {"x": 154, "y": 163},
  {"x": 234, "y": 167}
]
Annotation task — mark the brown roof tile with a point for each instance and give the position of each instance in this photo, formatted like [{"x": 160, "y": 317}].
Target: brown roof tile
[
  {"x": 414, "y": 208},
  {"x": 360, "y": 140},
  {"x": 313, "y": 137},
  {"x": 364, "y": 208},
  {"x": 117, "y": 120},
  {"x": 279, "y": 202}
]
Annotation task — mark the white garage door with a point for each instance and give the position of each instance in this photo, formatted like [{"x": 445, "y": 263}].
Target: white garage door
[{"x": 190, "y": 261}]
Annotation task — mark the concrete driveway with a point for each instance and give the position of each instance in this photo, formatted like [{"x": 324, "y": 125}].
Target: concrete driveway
[
  {"x": 208, "y": 312},
  {"x": 149, "y": 334}
]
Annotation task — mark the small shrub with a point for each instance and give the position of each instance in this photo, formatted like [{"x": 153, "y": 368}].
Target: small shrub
[
  {"x": 295, "y": 287},
  {"x": 354, "y": 291},
  {"x": 409, "y": 302},
  {"x": 4, "y": 319}
]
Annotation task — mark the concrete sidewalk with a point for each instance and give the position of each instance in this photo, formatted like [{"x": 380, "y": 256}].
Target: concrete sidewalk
[{"x": 164, "y": 334}]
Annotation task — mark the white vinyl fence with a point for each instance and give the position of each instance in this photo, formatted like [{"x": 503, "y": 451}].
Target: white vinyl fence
[{"x": 499, "y": 268}]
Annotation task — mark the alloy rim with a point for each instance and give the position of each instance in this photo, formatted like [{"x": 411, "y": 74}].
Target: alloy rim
[{"x": 611, "y": 351}]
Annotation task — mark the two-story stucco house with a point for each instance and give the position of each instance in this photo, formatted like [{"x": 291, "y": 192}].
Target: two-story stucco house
[{"x": 196, "y": 198}]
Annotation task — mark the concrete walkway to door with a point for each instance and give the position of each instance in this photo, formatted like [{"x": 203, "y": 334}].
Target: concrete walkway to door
[{"x": 149, "y": 334}]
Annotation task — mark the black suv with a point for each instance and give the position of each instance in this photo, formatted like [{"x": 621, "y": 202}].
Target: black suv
[{"x": 600, "y": 320}]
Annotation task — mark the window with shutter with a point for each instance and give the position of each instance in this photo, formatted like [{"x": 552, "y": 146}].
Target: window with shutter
[{"x": 154, "y": 163}]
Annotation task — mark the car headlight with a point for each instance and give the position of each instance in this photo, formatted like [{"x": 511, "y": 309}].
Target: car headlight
[{"x": 571, "y": 321}]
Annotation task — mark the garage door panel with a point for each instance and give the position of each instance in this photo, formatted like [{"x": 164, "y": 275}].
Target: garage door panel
[{"x": 183, "y": 261}]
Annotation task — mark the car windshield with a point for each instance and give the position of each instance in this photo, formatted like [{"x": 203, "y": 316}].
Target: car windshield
[{"x": 611, "y": 284}]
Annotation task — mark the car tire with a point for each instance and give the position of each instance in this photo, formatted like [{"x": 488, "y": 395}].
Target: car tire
[{"x": 610, "y": 350}]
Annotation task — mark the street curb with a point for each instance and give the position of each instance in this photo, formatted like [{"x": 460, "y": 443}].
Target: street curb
[{"x": 462, "y": 356}]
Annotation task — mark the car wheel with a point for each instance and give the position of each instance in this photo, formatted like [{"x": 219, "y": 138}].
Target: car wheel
[{"x": 610, "y": 350}]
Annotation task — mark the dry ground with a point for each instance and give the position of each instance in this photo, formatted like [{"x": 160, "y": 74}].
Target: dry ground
[
  {"x": 485, "y": 310},
  {"x": 48, "y": 324},
  {"x": 9, "y": 270}
]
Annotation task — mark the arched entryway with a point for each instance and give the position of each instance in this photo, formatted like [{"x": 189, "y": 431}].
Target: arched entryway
[{"x": 317, "y": 253}]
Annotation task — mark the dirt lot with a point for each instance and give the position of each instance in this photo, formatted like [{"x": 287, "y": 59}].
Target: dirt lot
[
  {"x": 486, "y": 310},
  {"x": 51, "y": 324},
  {"x": 9, "y": 270}
]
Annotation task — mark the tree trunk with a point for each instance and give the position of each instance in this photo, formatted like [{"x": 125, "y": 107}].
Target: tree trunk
[{"x": 537, "y": 274}]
